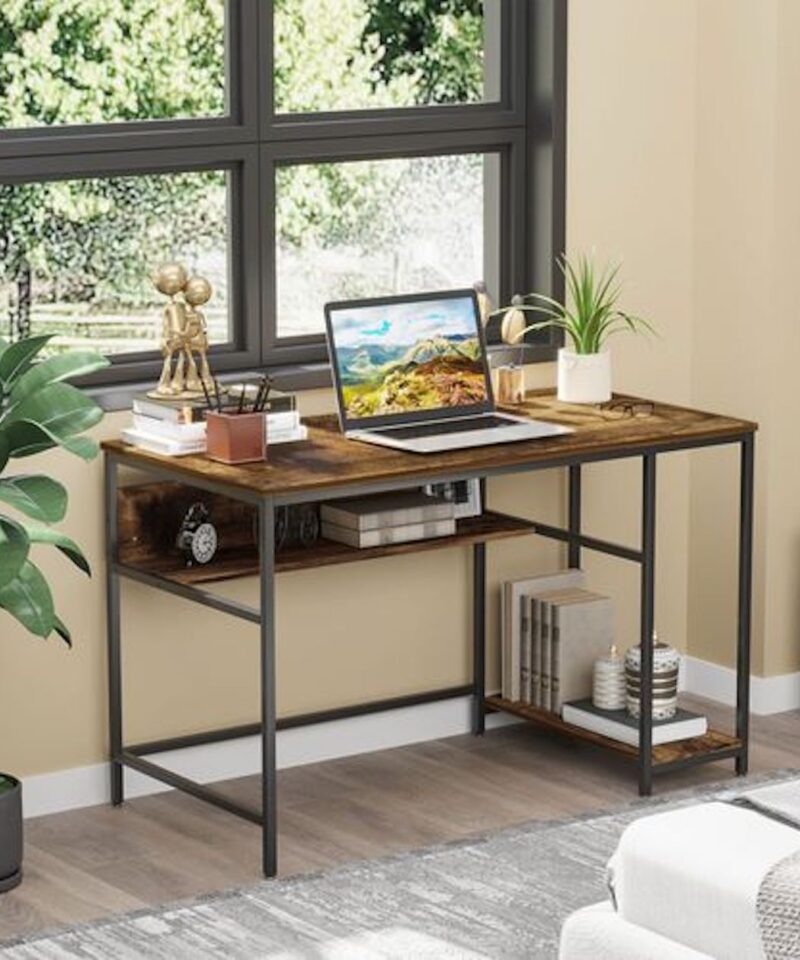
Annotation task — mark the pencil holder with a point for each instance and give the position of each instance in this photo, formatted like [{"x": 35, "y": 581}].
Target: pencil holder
[
  {"x": 510, "y": 386},
  {"x": 236, "y": 437}
]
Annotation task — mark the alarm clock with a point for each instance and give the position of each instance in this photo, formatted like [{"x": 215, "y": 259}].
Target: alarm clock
[{"x": 197, "y": 538}]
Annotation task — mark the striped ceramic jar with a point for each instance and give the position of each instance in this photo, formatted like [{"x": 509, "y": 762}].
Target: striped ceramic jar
[{"x": 666, "y": 666}]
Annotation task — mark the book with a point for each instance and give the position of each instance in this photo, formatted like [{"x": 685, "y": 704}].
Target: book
[
  {"x": 395, "y": 509},
  {"x": 164, "y": 445},
  {"x": 617, "y": 725},
  {"x": 581, "y": 631},
  {"x": 387, "y": 535},
  {"x": 192, "y": 411},
  {"x": 511, "y": 593},
  {"x": 171, "y": 429},
  {"x": 525, "y": 659},
  {"x": 544, "y": 640}
]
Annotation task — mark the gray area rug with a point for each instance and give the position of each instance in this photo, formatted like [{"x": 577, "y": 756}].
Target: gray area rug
[{"x": 502, "y": 896}]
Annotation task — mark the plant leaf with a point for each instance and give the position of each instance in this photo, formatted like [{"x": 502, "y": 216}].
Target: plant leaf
[
  {"x": 27, "y": 438},
  {"x": 28, "y": 599},
  {"x": 36, "y": 496},
  {"x": 16, "y": 359},
  {"x": 62, "y": 542},
  {"x": 55, "y": 369},
  {"x": 14, "y": 546},
  {"x": 62, "y": 630},
  {"x": 5, "y": 451},
  {"x": 59, "y": 408}
]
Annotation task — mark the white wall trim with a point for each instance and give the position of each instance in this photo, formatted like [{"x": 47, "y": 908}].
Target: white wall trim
[
  {"x": 767, "y": 694},
  {"x": 88, "y": 786}
]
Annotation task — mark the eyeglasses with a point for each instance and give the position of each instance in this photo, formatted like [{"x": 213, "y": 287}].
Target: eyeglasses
[{"x": 619, "y": 409}]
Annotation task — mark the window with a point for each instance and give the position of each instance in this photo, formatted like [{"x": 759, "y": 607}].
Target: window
[
  {"x": 373, "y": 227},
  {"x": 72, "y": 258},
  {"x": 373, "y": 54},
  {"x": 292, "y": 151}
]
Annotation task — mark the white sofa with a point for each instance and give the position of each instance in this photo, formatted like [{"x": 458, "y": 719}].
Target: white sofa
[{"x": 685, "y": 884}]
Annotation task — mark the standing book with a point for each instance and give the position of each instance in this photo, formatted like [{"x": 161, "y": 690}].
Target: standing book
[
  {"x": 581, "y": 631},
  {"x": 513, "y": 591}
]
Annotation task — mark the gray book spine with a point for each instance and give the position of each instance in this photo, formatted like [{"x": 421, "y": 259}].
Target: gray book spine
[
  {"x": 555, "y": 658},
  {"x": 544, "y": 614},
  {"x": 524, "y": 652},
  {"x": 536, "y": 652}
]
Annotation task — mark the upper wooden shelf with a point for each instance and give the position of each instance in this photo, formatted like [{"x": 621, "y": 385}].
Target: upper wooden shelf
[
  {"x": 243, "y": 562},
  {"x": 328, "y": 463}
]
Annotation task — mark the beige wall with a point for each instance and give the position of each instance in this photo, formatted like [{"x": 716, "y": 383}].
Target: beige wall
[
  {"x": 643, "y": 151},
  {"x": 746, "y": 334}
]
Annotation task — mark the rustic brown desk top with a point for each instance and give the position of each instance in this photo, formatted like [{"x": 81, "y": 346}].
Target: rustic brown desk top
[{"x": 327, "y": 460}]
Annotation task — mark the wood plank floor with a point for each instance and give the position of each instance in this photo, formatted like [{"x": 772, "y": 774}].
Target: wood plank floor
[{"x": 91, "y": 863}]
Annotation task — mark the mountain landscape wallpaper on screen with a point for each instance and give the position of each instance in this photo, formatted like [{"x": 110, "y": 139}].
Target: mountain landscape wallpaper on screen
[{"x": 408, "y": 357}]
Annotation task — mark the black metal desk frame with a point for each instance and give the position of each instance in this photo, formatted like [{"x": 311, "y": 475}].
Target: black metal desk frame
[{"x": 135, "y": 756}]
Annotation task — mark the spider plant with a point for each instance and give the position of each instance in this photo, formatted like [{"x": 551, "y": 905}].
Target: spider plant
[{"x": 590, "y": 313}]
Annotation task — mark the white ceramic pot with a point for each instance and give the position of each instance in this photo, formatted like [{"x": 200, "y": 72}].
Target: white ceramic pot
[{"x": 584, "y": 377}]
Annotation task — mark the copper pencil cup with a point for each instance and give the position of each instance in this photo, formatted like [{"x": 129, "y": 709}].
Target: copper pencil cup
[{"x": 236, "y": 437}]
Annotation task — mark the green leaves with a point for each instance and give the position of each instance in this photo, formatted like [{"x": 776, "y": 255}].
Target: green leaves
[
  {"x": 68, "y": 547},
  {"x": 16, "y": 359},
  {"x": 14, "y": 546},
  {"x": 38, "y": 411},
  {"x": 38, "y": 497},
  {"x": 54, "y": 370},
  {"x": 593, "y": 314},
  {"x": 27, "y": 598}
]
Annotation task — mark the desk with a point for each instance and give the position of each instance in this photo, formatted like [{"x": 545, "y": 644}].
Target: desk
[{"x": 328, "y": 466}]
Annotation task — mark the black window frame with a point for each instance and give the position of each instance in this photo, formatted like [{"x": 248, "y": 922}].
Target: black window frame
[{"x": 526, "y": 127}]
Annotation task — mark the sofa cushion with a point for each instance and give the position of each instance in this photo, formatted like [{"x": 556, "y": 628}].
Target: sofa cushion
[
  {"x": 597, "y": 933},
  {"x": 692, "y": 875}
]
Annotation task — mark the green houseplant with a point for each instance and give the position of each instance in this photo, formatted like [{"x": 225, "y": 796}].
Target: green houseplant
[
  {"x": 38, "y": 411},
  {"x": 589, "y": 315}
]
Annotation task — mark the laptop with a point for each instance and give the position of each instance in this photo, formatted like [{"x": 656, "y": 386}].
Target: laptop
[{"x": 412, "y": 373}]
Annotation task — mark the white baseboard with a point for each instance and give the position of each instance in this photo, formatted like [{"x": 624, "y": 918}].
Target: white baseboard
[
  {"x": 767, "y": 694},
  {"x": 89, "y": 786}
]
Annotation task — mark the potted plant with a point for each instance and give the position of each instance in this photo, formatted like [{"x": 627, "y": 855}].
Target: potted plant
[
  {"x": 38, "y": 411},
  {"x": 589, "y": 316}
]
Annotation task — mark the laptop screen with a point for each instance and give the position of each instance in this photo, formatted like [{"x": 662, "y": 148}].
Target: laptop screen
[{"x": 408, "y": 358}]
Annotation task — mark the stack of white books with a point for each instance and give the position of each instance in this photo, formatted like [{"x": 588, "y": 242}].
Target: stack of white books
[
  {"x": 175, "y": 428},
  {"x": 387, "y": 518}
]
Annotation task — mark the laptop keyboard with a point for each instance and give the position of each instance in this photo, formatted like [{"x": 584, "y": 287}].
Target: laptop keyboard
[{"x": 462, "y": 425}]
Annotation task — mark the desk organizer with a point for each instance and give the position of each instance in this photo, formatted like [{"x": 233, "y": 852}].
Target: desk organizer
[{"x": 236, "y": 437}]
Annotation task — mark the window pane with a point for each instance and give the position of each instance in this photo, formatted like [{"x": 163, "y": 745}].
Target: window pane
[
  {"x": 378, "y": 227},
  {"x": 74, "y": 62},
  {"x": 361, "y": 54},
  {"x": 76, "y": 256}
]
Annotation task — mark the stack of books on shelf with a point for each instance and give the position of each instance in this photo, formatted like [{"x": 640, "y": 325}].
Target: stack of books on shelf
[
  {"x": 553, "y": 630},
  {"x": 175, "y": 428},
  {"x": 387, "y": 518}
]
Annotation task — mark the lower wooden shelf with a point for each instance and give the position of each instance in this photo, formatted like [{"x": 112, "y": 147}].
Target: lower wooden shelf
[
  {"x": 244, "y": 562},
  {"x": 706, "y": 747}
]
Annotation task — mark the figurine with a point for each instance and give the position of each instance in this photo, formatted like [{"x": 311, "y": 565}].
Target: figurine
[{"x": 183, "y": 333}]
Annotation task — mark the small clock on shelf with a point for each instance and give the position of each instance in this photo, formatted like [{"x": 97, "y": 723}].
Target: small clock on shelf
[{"x": 197, "y": 538}]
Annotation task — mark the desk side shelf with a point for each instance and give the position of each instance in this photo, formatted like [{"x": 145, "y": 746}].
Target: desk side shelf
[
  {"x": 243, "y": 562},
  {"x": 714, "y": 745}
]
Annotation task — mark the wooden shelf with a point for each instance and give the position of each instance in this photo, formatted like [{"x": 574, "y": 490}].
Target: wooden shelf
[
  {"x": 244, "y": 562},
  {"x": 705, "y": 747}
]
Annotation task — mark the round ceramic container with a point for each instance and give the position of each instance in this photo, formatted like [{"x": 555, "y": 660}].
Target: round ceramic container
[{"x": 666, "y": 665}]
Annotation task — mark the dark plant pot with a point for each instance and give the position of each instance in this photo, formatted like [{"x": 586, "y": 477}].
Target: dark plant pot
[{"x": 10, "y": 836}]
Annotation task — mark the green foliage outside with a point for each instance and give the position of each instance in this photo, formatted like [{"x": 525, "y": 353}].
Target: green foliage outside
[{"x": 91, "y": 242}]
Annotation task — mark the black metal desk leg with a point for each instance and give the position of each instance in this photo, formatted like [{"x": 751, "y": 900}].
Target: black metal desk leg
[
  {"x": 269, "y": 792},
  {"x": 113, "y": 639},
  {"x": 745, "y": 601},
  {"x": 647, "y": 621},
  {"x": 478, "y": 637},
  {"x": 574, "y": 553}
]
